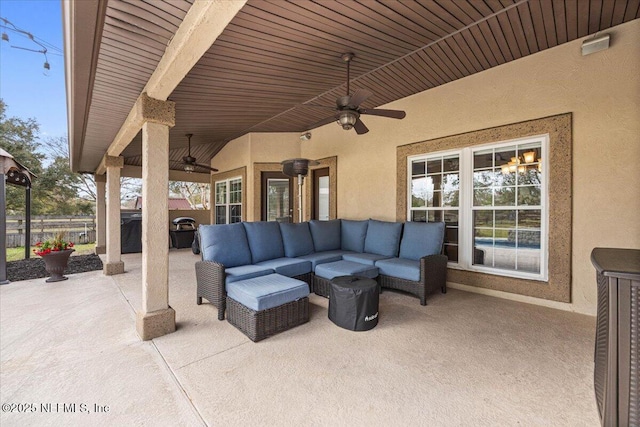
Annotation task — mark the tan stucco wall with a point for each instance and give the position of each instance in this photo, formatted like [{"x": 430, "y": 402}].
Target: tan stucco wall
[
  {"x": 255, "y": 148},
  {"x": 602, "y": 91}
]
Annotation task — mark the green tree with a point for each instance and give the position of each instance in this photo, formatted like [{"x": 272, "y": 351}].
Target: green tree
[{"x": 18, "y": 137}]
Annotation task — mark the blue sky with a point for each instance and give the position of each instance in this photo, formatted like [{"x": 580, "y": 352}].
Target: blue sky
[{"x": 24, "y": 87}]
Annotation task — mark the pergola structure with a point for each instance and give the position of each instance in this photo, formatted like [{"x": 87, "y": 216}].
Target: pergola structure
[
  {"x": 140, "y": 75},
  {"x": 12, "y": 172}
]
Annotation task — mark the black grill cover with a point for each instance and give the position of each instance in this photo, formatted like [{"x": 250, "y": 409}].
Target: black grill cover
[{"x": 353, "y": 303}]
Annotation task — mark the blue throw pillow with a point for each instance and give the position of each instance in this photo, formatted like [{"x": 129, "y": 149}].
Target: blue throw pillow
[
  {"x": 420, "y": 239},
  {"x": 326, "y": 235},
  {"x": 353, "y": 234},
  {"x": 265, "y": 240},
  {"x": 296, "y": 238},
  {"x": 383, "y": 238},
  {"x": 225, "y": 243}
]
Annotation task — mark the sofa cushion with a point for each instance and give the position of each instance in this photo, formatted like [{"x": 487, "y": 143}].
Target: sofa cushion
[
  {"x": 243, "y": 272},
  {"x": 420, "y": 239},
  {"x": 317, "y": 258},
  {"x": 353, "y": 234},
  {"x": 265, "y": 240},
  {"x": 364, "y": 258},
  {"x": 225, "y": 243},
  {"x": 326, "y": 235},
  {"x": 401, "y": 268},
  {"x": 346, "y": 268},
  {"x": 296, "y": 239},
  {"x": 264, "y": 292},
  {"x": 289, "y": 267},
  {"x": 383, "y": 238}
]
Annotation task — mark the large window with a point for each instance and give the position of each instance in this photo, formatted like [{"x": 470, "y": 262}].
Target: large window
[
  {"x": 493, "y": 201},
  {"x": 228, "y": 201}
]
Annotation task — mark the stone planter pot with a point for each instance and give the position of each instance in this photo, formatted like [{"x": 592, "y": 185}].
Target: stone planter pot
[{"x": 55, "y": 263}]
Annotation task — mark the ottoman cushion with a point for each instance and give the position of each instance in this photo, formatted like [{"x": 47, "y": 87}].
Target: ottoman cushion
[
  {"x": 264, "y": 292},
  {"x": 346, "y": 268}
]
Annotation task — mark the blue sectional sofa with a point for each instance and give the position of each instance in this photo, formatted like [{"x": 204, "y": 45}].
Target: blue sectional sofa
[{"x": 263, "y": 266}]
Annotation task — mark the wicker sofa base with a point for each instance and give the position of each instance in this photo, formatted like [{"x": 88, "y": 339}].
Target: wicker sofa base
[
  {"x": 321, "y": 286},
  {"x": 258, "y": 325}
]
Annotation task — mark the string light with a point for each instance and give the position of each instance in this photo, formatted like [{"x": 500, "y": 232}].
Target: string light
[{"x": 43, "y": 44}]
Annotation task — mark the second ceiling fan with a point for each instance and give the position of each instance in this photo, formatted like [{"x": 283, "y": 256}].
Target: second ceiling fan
[
  {"x": 348, "y": 109},
  {"x": 189, "y": 163}
]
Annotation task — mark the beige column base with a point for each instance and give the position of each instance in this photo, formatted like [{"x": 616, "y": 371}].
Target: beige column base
[
  {"x": 112, "y": 268},
  {"x": 156, "y": 323},
  {"x": 101, "y": 250}
]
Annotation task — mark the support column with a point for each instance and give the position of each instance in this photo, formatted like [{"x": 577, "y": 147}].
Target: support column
[
  {"x": 114, "y": 264},
  {"x": 156, "y": 318},
  {"x": 101, "y": 214},
  {"x": 3, "y": 231}
]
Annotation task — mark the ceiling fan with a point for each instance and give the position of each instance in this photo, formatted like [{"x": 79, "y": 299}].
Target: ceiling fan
[
  {"x": 348, "y": 109},
  {"x": 189, "y": 163}
]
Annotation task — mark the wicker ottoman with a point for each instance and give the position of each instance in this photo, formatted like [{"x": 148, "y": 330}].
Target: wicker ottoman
[{"x": 264, "y": 306}]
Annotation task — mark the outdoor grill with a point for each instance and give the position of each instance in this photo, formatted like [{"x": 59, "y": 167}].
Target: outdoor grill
[
  {"x": 182, "y": 236},
  {"x": 184, "y": 223}
]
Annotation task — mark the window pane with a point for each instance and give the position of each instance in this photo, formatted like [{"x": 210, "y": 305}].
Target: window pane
[
  {"x": 451, "y": 164},
  {"x": 505, "y": 218},
  {"x": 504, "y": 196},
  {"x": 221, "y": 193},
  {"x": 529, "y": 239},
  {"x": 434, "y": 166},
  {"x": 418, "y": 168},
  {"x": 451, "y": 251},
  {"x": 529, "y": 196},
  {"x": 434, "y": 199},
  {"x": 483, "y": 219},
  {"x": 482, "y": 197},
  {"x": 221, "y": 214},
  {"x": 530, "y": 176},
  {"x": 434, "y": 181},
  {"x": 529, "y": 219},
  {"x": 450, "y": 181},
  {"x": 451, "y": 217},
  {"x": 235, "y": 213},
  {"x": 483, "y": 159},
  {"x": 450, "y": 198},
  {"x": 434, "y": 216},
  {"x": 419, "y": 216},
  {"x": 451, "y": 235},
  {"x": 418, "y": 192},
  {"x": 504, "y": 155},
  {"x": 483, "y": 178}
]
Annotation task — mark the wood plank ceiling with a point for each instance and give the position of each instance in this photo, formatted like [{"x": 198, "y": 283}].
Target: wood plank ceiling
[{"x": 275, "y": 56}]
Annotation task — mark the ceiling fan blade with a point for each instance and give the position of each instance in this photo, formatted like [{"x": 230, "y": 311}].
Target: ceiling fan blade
[
  {"x": 322, "y": 122},
  {"x": 205, "y": 167},
  {"x": 394, "y": 114},
  {"x": 359, "y": 97},
  {"x": 360, "y": 127}
]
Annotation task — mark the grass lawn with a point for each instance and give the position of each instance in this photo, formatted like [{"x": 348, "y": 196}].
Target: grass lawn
[{"x": 14, "y": 254}]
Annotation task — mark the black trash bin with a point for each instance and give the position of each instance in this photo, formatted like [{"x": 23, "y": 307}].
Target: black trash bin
[{"x": 353, "y": 302}]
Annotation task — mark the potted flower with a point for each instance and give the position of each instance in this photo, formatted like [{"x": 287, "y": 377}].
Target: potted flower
[{"x": 55, "y": 253}]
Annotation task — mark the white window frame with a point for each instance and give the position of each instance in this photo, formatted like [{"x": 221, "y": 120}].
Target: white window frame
[
  {"x": 227, "y": 203},
  {"x": 465, "y": 208}
]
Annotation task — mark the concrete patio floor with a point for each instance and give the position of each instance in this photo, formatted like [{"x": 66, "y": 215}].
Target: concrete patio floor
[{"x": 70, "y": 355}]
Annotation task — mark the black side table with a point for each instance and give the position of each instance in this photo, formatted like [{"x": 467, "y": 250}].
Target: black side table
[{"x": 353, "y": 302}]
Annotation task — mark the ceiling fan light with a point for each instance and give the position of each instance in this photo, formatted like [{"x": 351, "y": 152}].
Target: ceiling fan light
[
  {"x": 189, "y": 168},
  {"x": 347, "y": 119}
]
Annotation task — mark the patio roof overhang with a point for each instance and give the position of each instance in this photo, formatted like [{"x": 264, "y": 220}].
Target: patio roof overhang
[{"x": 274, "y": 57}]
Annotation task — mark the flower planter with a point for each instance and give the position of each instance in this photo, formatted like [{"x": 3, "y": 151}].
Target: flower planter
[{"x": 55, "y": 263}]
